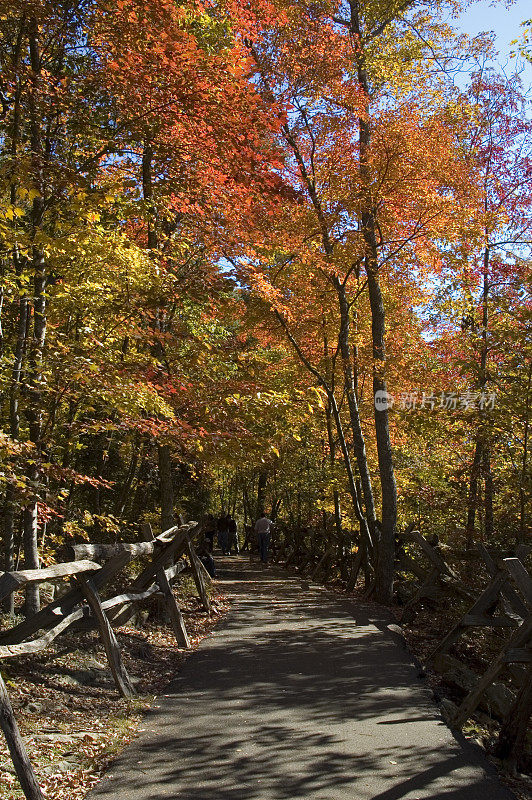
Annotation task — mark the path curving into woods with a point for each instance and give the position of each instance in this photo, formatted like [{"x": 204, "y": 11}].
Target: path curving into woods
[{"x": 297, "y": 694}]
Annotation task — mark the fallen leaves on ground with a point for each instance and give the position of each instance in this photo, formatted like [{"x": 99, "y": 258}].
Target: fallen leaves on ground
[{"x": 66, "y": 704}]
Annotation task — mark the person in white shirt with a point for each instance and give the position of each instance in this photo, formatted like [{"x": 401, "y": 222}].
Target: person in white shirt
[{"x": 262, "y": 529}]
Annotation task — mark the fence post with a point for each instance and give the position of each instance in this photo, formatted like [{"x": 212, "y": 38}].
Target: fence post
[
  {"x": 21, "y": 762},
  {"x": 197, "y": 572},
  {"x": 174, "y": 612},
  {"x": 112, "y": 648}
]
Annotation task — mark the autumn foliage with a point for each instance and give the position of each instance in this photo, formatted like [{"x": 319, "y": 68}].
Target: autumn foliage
[{"x": 226, "y": 228}]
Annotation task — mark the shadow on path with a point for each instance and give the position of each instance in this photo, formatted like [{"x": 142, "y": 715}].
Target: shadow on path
[{"x": 297, "y": 695}]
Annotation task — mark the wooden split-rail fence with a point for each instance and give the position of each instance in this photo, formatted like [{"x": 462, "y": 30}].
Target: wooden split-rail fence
[
  {"x": 92, "y": 568},
  {"x": 504, "y": 605}
]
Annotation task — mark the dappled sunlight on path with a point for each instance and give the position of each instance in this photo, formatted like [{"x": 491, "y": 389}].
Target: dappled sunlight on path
[{"x": 297, "y": 694}]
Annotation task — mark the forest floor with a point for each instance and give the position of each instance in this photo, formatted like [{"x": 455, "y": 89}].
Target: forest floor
[{"x": 66, "y": 704}]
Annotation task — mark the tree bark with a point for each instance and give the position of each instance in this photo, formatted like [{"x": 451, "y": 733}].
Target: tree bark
[
  {"x": 488, "y": 494},
  {"x": 20, "y": 345},
  {"x": 34, "y": 406},
  {"x": 166, "y": 487},
  {"x": 261, "y": 493},
  {"x": 8, "y": 603},
  {"x": 473, "y": 494},
  {"x": 384, "y": 571},
  {"x": 524, "y": 462},
  {"x": 21, "y": 762},
  {"x": 359, "y": 445},
  {"x": 332, "y": 461}
]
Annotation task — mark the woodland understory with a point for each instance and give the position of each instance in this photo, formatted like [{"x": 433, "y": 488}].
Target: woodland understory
[{"x": 268, "y": 256}]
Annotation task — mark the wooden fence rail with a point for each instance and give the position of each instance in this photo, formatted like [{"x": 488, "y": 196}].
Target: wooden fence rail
[
  {"x": 92, "y": 567},
  {"x": 504, "y": 606}
]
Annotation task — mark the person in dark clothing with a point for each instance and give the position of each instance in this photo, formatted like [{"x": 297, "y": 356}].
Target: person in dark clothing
[
  {"x": 223, "y": 534},
  {"x": 208, "y": 562},
  {"x": 233, "y": 534},
  {"x": 205, "y": 556},
  {"x": 210, "y": 531},
  {"x": 263, "y": 527}
]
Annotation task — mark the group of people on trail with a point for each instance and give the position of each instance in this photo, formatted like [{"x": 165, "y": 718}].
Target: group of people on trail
[{"x": 225, "y": 530}]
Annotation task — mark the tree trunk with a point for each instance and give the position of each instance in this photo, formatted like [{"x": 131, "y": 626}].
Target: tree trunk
[
  {"x": 524, "y": 462},
  {"x": 166, "y": 487},
  {"x": 473, "y": 495},
  {"x": 136, "y": 452},
  {"x": 384, "y": 570},
  {"x": 261, "y": 493},
  {"x": 9, "y": 543},
  {"x": 488, "y": 495},
  {"x": 359, "y": 445},
  {"x": 35, "y": 400},
  {"x": 367, "y": 525}
]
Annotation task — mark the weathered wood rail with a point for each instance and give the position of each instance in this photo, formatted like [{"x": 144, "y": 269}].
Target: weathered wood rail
[
  {"x": 91, "y": 568},
  {"x": 505, "y": 604}
]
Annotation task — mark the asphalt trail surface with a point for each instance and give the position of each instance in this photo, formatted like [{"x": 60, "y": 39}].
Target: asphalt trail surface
[{"x": 297, "y": 694}]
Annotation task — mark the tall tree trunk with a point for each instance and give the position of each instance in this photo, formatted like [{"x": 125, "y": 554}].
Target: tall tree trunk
[
  {"x": 166, "y": 487},
  {"x": 35, "y": 400},
  {"x": 9, "y": 543},
  {"x": 384, "y": 571},
  {"x": 261, "y": 493},
  {"x": 22, "y": 324},
  {"x": 136, "y": 454},
  {"x": 488, "y": 495},
  {"x": 367, "y": 523},
  {"x": 14, "y": 424},
  {"x": 524, "y": 462},
  {"x": 164, "y": 455},
  {"x": 472, "y": 498},
  {"x": 384, "y": 583},
  {"x": 481, "y": 459},
  {"x": 332, "y": 461},
  {"x": 359, "y": 444},
  {"x": 364, "y": 529}
]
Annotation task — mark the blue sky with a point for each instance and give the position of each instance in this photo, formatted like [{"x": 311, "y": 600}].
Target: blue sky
[{"x": 484, "y": 15}]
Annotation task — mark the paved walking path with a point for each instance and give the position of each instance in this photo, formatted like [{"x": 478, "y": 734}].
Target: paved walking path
[{"x": 297, "y": 695}]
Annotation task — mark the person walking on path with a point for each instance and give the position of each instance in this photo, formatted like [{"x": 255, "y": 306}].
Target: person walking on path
[
  {"x": 223, "y": 534},
  {"x": 210, "y": 531},
  {"x": 263, "y": 529},
  {"x": 233, "y": 537}
]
